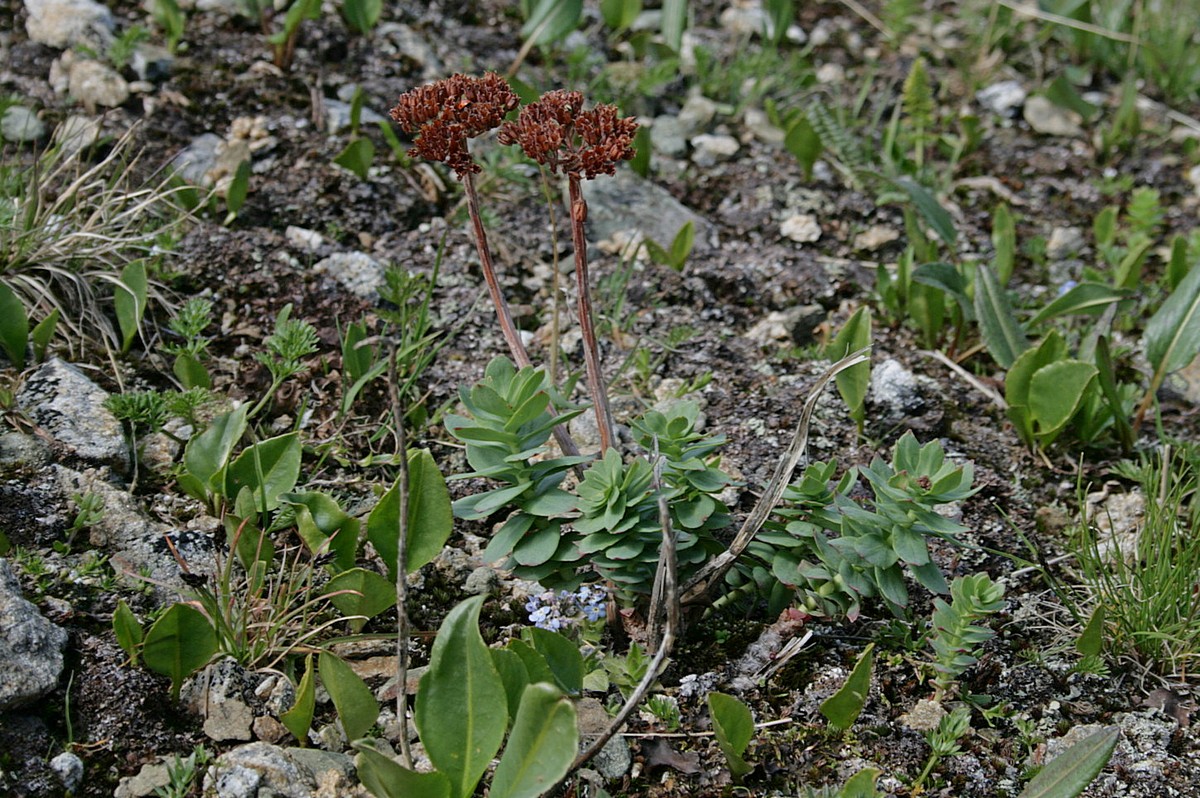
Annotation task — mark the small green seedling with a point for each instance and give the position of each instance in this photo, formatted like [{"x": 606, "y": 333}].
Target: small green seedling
[{"x": 681, "y": 247}]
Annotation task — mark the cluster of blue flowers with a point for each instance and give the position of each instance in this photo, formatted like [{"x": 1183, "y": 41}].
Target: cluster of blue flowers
[{"x": 557, "y": 611}]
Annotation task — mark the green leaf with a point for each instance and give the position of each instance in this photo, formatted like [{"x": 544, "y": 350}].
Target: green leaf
[
  {"x": 1178, "y": 264},
  {"x": 562, "y": 656},
  {"x": 178, "y": 644},
  {"x": 1086, "y": 298},
  {"x": 541, "y": 748},
  {"x": 620, "y": 14},
  {"x": 385, "y": 778},
  {"x": 861, "y": 784},
  {"x": 948, "y": 278},
  {"x": 239, "y": 187},
  {"x": 128, "y": 630},
  {"x": 129, "y": 301},
  {"x": 357, "y": 157},
  {"x": 1064, "y": 95},
  {"x": 1091, "y": 639},
  {"x": 375, "y": 594},
  {"x": 803, "y": 142},
  {"x": 681, "y": 246},
  {"x": 1106, "y": 378},
  {"x": 355, "y": 705},
  {"x": 14, "y": 326},
  {"x": 1004, "y": 241},
  {"x": 930, "y": 209},
  {"x": 852, "y": 383},
  {"x": 674, "y": 21},
  {"x": 362, "y": 15},
  {"x": 640, "y": 164},
  {"x": 324, "y": 526},
  {"x": 733, "y": 727},
  {"x": 514, "y": 675},
  {"x": 843, "y": 707},
  {"x": 430, "y": 518},
  {"x": 998, "y": 325},
  {"x": 298, "y": 718},
  {"x": 42, "y": 334},
  {"x": 269, "y": 469},
  {"x": 1069, "y": 773},
  {"x": 461, "y": 709},
  {"x": 1056, "y": 392},
  {"x": 207, "y": 453},
  {"x": 551, "y": 20},
  {"x": 1172, "y": 336},
  {"x": 191, "y": 372}
]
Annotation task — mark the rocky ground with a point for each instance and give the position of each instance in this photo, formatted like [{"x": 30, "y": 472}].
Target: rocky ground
[{"x": 781, "y": 259}]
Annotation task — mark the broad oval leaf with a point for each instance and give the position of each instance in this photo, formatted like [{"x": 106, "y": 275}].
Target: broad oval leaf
[
  {"x": 129, "y": 301},
  {"x": 372, "y": 594},
  {"x": 1055, "y": 393},
  {"x": 356, "y": 706},
  {"x": 843, "y": 707},
  {"x": 998, "y": 325},
  {"x": 551, "y": 20},
  {"x": 178, "y": 644},
  {"x": 1172, "y": 335},
  {"x": 386, "y": 778},
  {"x": 324, "y": 526},
  {"x": 1083, "y": 298},
  {"x": 14, "y": 326},
  {"x": 542, "y": 746},
  {"x": 514, "y": 675},
  {"x": 127, "y": 629},
  {"x": 853, "y": 382},
  {"x": 208, "y": 452},
  {"x": 461, "y": 709},
  {"x": 298, "y": 719},
  {"x": 1069, "y": 773},
  {"x": 562, "y": 656},
  {"x": 269, "y": 469},
  {"x": 429, "y": 519},
  {"x": 733, "y": 726}
]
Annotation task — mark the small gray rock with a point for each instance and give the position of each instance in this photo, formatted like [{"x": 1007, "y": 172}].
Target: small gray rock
[
  {"x": 1002, "y": 98},
  {"x": 337, "y": 116},
  {"x": 667, "y": 136},
  {"x": 145, "y": 782},
  {"x": 409, "y": 44},
  {"x": 1049, "y": 119},
  {"x": 95, "y": 84},
  {"x": 20, "y": 124},
  {"x": 696, "y": 115},
  {"x": 710, "y": 150},
  {"x": 256, "y": 769},
  {"x": 62, "y": 23},
  {"x": 151, "y": 62},
  {"x": 76, "y": 133},
  {"x": 69, "y": 769},
  {"x": 358, "y": 272},
  {"x": 198, "y": 158},
  {"x": 895, "y": 394},
  {"x": 483, "y": 581},
  {"x": 65, "y": 403},
  {"x": 217, "y": 694},
  {"x": 803, "y": 228},
  {"x": 1064, "y": 242},
  {"x": 31, "y": 648}
]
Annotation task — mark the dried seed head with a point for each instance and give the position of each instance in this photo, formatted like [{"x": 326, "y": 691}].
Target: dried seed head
[
  {"x": 443, "y": 115},
  {"x": 556, "y": 132}
]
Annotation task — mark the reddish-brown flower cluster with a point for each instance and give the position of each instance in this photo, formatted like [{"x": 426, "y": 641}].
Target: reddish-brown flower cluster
[
  {"x": 443, "y": 115},
  {"x": 556, "y": 132}
]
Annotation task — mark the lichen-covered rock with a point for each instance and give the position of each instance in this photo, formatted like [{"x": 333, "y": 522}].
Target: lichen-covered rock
[
  {"x": 31, "y": 648},
  {"x": 263, "y": 769},
  {"x": 70, "y": 407},
  {"x": 63, "y": 23}
]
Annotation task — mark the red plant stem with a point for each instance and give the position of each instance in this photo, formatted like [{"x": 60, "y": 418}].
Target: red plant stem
[
  {"x": 503, "y": 315},
  {"x": 591, "y": 354}
]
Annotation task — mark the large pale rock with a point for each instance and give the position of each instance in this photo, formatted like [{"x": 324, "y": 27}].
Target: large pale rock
[
  {"x": 70, "y": 407},
  {"x": 626, "y": 203},
  {"x": 97, "y": 85},
  {"x": 63, "y": 23},
  {"x": 358, "y": 272},
  {"x": 31, "y": 648},
  {"x": 263, "y": 769}
]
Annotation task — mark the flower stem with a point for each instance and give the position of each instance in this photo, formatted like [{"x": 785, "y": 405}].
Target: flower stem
[
  {"x": 591, "y": 352},
  {"x": 503, "y": 315}
]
